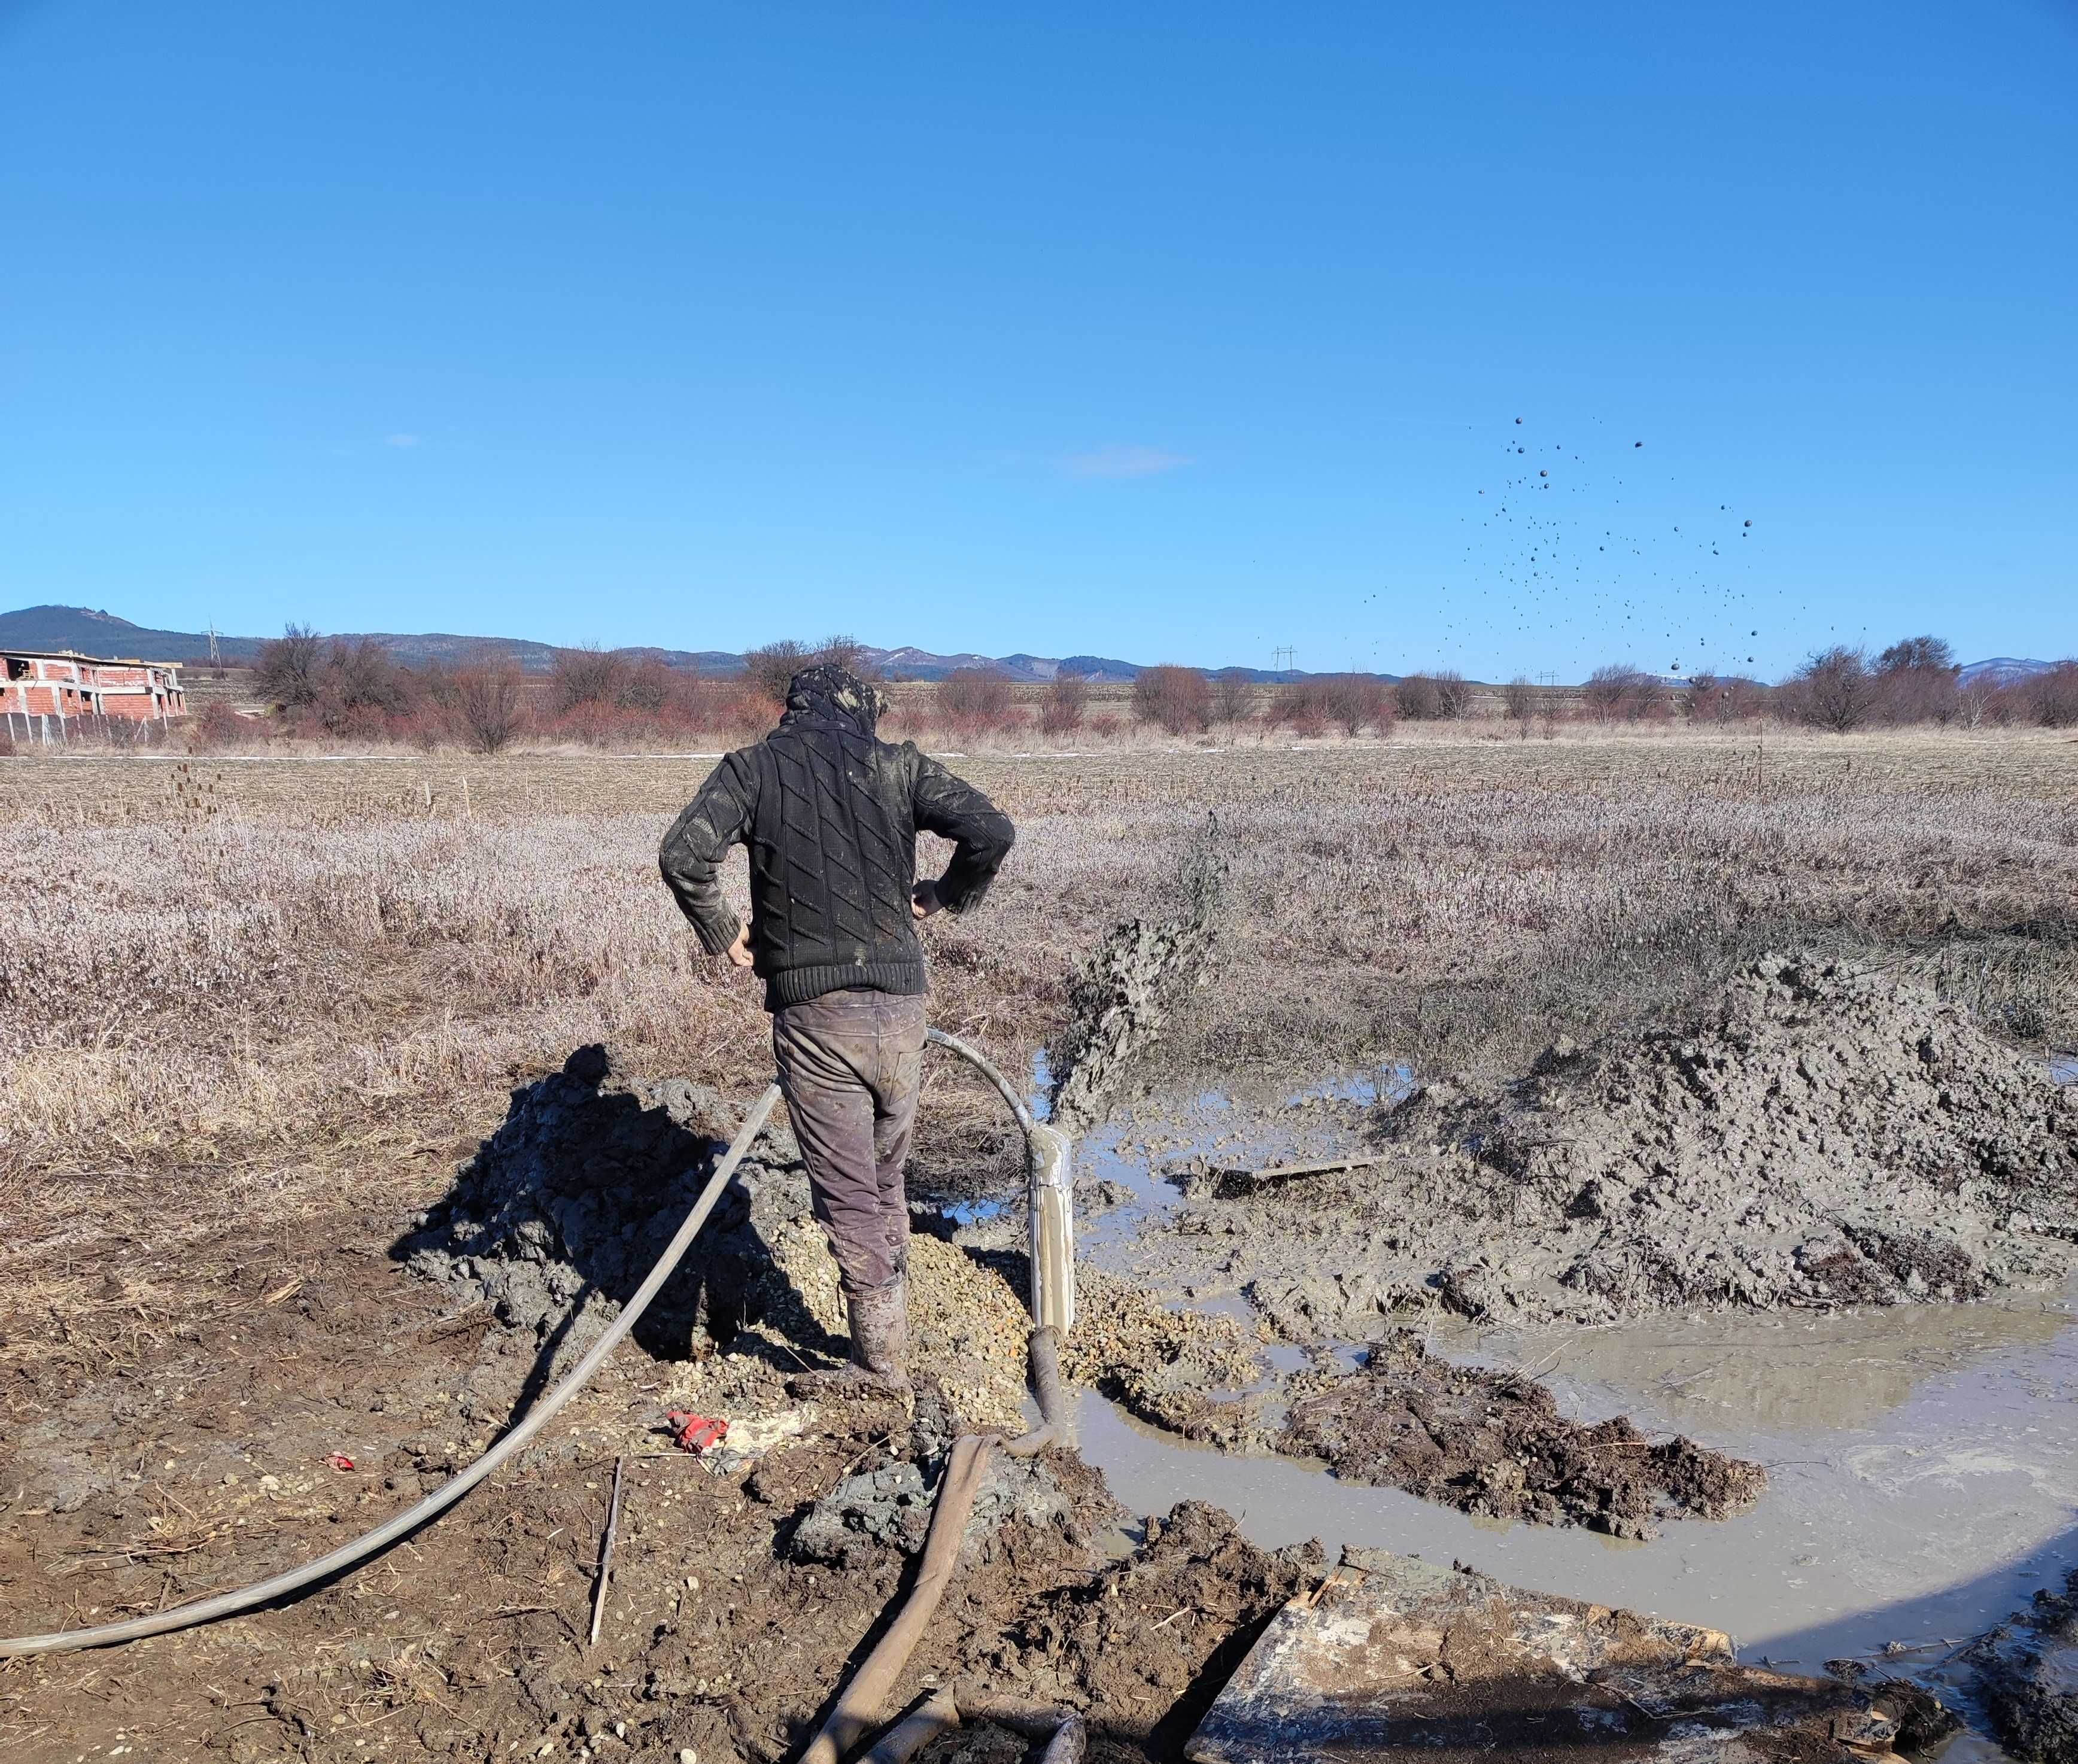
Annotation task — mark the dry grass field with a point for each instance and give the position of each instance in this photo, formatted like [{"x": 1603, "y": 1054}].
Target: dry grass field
[{"x": 224, "y": 978}]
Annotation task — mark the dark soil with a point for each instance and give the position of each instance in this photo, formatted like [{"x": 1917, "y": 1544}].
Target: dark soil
[
  {"x": 1494, "y": 1444},
  {"x": 2026, "y": 1677},
  {"x": 152, "y": 1459}
]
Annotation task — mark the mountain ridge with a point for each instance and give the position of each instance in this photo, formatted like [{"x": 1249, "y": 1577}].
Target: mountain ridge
[{"x": 90, "y": 630}]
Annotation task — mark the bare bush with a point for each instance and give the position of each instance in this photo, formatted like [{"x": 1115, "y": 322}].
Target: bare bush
[
  {"x": 1062, "y": 710},
  {"x": 1916, "y": 682},
  {"x": 975, "y": 700},
  {"x": 285, "y": 671},
  {"x": 1518, "y": 700},
  {"x": 772, "y": 665},
  {"x": 1620, "y": 692},
  {"x": 1179, "y": 699},
  {"x": 1356, "y": 702},
  {"x": 216, "y": 725},
  {"x": 491, "y": 699},
  {"x": 1233, "y": 696},
  {"x": 847, "y": 652},
  {"x": 1420, "y": 699},
  {"x": 1834, "y": 691},
  {"x": 1453, "y": 694},
  {"x": 1713, "y": 698},
  {"x": 2052, "y": 696},
  {"x": 589, "y": 675},
  {"x": 1300, "y": 705}
]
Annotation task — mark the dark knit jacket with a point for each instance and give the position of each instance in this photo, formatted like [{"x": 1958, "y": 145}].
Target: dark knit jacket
[{"x": 830, "y": 815}]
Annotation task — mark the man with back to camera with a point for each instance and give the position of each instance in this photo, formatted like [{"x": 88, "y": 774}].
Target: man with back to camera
[{"x": 829, "y": 813}]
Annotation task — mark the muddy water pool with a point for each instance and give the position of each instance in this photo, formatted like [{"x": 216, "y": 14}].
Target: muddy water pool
[{"x": 1923, "y": 1461}]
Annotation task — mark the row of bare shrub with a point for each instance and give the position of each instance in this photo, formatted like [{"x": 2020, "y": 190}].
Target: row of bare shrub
[{"x": 329, "y": 689}]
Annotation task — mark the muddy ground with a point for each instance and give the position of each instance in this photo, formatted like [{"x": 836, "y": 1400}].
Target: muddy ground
[
  {"x": 299, "y": 1393},
  {"x": 1827, "y": 1138},
  {"x": 148, "y": 1463}
]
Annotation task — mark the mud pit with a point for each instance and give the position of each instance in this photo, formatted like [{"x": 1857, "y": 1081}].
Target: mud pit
[{"x": 1830, "y": 1139}]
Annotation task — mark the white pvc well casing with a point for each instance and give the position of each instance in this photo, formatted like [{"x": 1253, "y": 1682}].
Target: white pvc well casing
[{"x": 1052, "y": 1213}]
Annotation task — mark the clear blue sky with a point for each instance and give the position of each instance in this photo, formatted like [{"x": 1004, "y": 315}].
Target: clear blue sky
[{"x": 1169, "y": 332}]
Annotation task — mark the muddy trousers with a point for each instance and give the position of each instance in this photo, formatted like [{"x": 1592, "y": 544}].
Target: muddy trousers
[{"x": 849, "y": 1063}]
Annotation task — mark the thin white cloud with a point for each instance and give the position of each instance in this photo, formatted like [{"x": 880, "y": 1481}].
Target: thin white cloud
[
  {"x": 1118, "y": 459},
  {"x": 400, "y": 440}
]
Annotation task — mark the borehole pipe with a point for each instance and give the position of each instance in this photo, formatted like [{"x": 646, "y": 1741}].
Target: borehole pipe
[
  {"x": 1050, "y": 1192},
  {"x": 279, "y": 1586}
]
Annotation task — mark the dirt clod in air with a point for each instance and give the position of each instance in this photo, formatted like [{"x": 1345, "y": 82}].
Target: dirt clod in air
[
  {"x": 1119, "y": 1003},
  {"x": 1830, "y": 1138},
  {"x": 1495, "y": 1444}
]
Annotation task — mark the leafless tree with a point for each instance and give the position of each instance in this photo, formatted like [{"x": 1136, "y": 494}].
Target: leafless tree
[
  {"x": 1454, "y": 694},
  {"x": 589, "y": 675},
  {"x": 285, "y": 671},
  {"x": 1916, "y": 682},
  {"x": 1834, "y": 690},
  {"x": 771, "y": 666}
]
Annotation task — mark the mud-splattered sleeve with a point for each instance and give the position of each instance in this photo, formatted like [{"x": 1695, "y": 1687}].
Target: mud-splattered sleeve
[
  {"x": 980, "y": 832},
  {"x": 692, "y": 851}
]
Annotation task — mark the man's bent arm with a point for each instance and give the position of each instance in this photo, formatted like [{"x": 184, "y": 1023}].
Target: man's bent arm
[
  {"x": 981, "y": 832},
  {"x": 690, "y": 857}
]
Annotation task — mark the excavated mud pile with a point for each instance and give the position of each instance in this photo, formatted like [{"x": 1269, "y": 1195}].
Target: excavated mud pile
[
  {"x": 2026, "y": 1673},
  {"x": 1832, "y": 1138},
  {"x": 562, "y": 1213},
  {"x": 1496, "y": 1445}
]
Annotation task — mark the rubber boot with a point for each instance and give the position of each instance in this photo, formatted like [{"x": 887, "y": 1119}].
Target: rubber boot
[{"x": 879, "y": 1346}]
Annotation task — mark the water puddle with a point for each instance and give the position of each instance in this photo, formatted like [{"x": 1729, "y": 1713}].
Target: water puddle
[
  {"x": 1125, "y": 1169},
  {"x": 1922, "y": 1465}
]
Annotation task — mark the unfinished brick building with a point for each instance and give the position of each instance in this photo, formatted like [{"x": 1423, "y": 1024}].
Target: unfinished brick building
[{"x": 64, "y": 684}]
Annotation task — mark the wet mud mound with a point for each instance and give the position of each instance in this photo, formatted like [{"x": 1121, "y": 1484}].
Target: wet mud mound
[
  {"x": 1831, "y": 1138},
  {"x": 2026, "y": 1677},
  {"x": 1495, "y": 1444},
  {"x": 564, "y": 1210}
]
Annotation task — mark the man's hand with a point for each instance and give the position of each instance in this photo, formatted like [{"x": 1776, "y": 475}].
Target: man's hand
[
  {"x": 923, "y": 900},
  {"x": 739, "y": 952}
]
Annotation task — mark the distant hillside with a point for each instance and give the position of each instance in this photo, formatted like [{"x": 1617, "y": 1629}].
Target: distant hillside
[
  {"x": 102, "y": 633},
  {"x": 2002, "y": 668}
]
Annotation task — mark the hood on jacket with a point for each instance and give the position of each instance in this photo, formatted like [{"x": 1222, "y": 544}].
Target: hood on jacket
[{"x": 826, "y": 696}]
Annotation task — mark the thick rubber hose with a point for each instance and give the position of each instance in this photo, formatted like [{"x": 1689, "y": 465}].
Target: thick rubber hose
[
  {"x": 1071, "y": 1741},
  {"x": 1042, "y": 1353},
  {"x": 915, "y": 1731},
  {"x": 858, "y": 1705},
  {"x": 225, "y": 1604}
]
